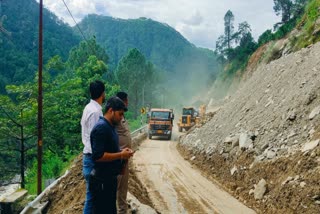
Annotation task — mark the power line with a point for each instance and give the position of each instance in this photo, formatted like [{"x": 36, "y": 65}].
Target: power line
[{"x": 75, "y": 21}]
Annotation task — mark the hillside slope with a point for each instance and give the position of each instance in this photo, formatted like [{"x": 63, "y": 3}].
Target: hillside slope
[
  {"x": 19, "y": 47},
  {"x": 267, "y": 133},
  {"x": 161, "y": 44}
]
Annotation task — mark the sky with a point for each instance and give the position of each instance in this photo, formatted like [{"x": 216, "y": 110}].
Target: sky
[{"x": 199, "y": 21}]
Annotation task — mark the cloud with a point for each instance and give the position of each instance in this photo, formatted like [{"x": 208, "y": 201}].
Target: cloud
[
  {"x": 196, "y": 19},
  {"x": 201, "y": 21}
]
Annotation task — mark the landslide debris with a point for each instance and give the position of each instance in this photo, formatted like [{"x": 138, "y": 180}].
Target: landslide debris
[{"x": 262, "y": 145}]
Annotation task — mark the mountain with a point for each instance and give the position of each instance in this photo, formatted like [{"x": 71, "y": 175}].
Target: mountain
[
  {"x": 160, "y": 43},
  {"x": 19, "y": 41}
]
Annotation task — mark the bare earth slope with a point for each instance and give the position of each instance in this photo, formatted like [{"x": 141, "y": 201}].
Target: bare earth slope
[
  {"x": 267, "y": 133},
  {"x": 68, "y": 195}
]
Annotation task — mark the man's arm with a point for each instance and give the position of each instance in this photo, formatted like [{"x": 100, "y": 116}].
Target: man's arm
[
  {"x": 97, "y": 143},
  {"x": 123, "y": 155}
]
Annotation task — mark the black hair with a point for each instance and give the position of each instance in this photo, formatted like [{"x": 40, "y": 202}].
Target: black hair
[
  {"x": 116, "y": 104},
  {"x": 96, "y": 89},
  {"x": 122, "y": 95}
]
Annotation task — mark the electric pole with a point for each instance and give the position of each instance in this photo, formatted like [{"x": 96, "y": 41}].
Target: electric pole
[{"x": 40, "y": 102}]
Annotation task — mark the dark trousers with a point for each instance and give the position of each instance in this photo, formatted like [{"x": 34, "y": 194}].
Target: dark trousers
[{"x": 104, "y": 200}]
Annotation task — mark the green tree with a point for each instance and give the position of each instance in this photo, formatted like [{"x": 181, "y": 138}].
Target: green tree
[
  {"x": 283, "y": 8},
  {"x": 17, "y": 129},
  {"x": 65, "y": 98},
  {"x": 80, "y": 55},
  {"x": 228, "y": 28},
  {"x": 265, "y": 37},
  {"x": 298, "y": 7},
  {"x": 135, "y": 75},
  {"x": 220, "y": 44}
]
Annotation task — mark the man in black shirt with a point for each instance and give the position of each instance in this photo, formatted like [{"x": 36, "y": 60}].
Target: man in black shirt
[{"x": 107, "y": 157}]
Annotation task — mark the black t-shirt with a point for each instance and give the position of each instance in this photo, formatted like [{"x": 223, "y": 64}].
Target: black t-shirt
[{"x": 104, "y": 138}]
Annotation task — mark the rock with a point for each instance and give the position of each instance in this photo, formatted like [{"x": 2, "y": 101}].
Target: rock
[
  {"x": 292, "y": 115},
  {"x": 193, "y": 158},
  {"x": 310, "y": 145},
  {"x": 235, "y": 141},
  {"x": 251, "y": 192},
  {"x": 271, "y": 154},
  {"x": 260, "y": 189},
  {"x": 310, "y": 98},
  {"x": 292, "y": 134},
  {"x": 316, "y": 197},
  {"x": 138, "y": 207},
  {"x": 245, "y": 142},
  {"x": 314, "y": 112},
  {"x": 264, "y": 146},
  {"x": 228, "y": 140},
  {"x": 303, "y": 184},
  {"x": 233, "y": 170},
  {"x": 287, "y": 180}
]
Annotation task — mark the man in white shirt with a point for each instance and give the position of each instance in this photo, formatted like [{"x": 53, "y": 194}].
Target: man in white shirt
[{"x": 90, "y": 117}]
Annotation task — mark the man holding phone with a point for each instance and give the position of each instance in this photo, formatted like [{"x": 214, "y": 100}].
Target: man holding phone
[{"x": 107, "y": 157}]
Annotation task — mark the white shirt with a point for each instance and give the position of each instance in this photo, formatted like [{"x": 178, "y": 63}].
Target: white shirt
[{"x": 90, "y": 117}]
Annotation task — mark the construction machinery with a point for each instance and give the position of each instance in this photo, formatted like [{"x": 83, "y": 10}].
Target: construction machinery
[
  {"x": 160, "y": 122},
  {"x": 190, "y": 117}
]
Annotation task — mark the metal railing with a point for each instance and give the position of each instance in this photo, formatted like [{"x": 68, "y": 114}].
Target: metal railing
[{"x": 142, "y": 129}]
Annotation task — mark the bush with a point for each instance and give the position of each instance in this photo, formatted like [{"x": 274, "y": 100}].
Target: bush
[{"x": 53, "y": 166}]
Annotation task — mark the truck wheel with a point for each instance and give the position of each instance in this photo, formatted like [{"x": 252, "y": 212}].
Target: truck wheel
[
  {"x": 150, "y": 136},
  {"x": 180, "y": 129},
  {"x": 169, "y": 137}
]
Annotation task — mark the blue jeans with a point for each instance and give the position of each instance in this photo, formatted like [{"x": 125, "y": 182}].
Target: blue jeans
[{"x": 87, "y": 167}]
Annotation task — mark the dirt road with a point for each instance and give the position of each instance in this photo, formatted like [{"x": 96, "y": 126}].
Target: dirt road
[{"x": 174, "y": 186}]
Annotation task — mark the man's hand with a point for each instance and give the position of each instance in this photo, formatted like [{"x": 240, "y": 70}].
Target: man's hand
[{"x": 126, "y": 153}]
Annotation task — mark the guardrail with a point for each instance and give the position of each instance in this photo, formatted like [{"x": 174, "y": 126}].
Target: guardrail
[{"x": 140, "y": 130}]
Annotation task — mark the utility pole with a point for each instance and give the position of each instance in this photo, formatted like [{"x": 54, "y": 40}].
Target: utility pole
[{"x": 40, "y": 102}]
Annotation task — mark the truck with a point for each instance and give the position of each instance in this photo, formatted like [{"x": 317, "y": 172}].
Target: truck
[
  {"x": 160, "y": 122},
  {"x": 189, "y": 118}
]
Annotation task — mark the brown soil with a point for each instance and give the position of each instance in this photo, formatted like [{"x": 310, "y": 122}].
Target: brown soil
[
  {"x": 287, "y": 198},
  {"x": 69, "y": 194}
]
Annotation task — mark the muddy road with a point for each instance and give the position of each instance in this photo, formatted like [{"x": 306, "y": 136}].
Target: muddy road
[{"x": 175, "y": 186}]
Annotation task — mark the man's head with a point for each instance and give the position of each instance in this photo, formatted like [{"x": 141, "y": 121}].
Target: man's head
[
  {"x": 114, "y": 110},
  {"x": 124, "y": 97},
  {"x": 97, "y": 91}
]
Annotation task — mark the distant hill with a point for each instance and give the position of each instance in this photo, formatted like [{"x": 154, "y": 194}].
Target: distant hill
[
  {"x": 19, "y": 47},
  {"x": 160, "y": 43}
]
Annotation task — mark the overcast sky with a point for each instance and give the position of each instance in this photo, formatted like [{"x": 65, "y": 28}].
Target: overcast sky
[{"x": 199, "y": 21}]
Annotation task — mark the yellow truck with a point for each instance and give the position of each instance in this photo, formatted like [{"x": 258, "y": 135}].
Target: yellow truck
[
  {"x": 160, "y": 122},
  {"x": 190, "y": 117}
]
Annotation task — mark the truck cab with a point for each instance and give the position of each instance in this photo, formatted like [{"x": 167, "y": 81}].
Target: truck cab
[{"x": 160, "y": 122}]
